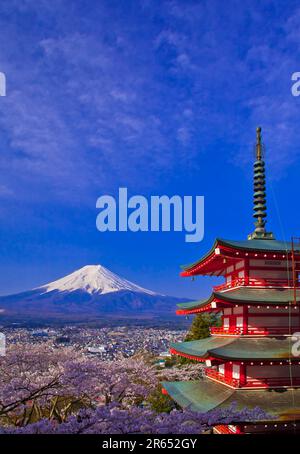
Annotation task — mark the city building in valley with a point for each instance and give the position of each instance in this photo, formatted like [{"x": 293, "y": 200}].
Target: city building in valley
[{"x": 250, "y": 360}]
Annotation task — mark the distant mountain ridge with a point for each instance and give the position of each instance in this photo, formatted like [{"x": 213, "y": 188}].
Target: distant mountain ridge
[
  {"x": 93, "y": 279},
  {"x": 91, "y": 291}
]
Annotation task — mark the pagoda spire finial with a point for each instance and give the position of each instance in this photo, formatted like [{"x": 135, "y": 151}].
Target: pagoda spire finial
[
  {"x": 259, "y": 201},
  {"x": 258, "y": 144}
]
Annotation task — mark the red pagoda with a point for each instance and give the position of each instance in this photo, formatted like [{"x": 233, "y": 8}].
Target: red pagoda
[{"x": 249, "y": 360}]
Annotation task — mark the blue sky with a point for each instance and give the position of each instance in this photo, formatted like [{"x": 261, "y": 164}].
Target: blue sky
[{"x": 162, "y": 97}]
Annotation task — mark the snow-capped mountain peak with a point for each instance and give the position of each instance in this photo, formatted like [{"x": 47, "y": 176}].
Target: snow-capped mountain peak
[{"x": 93, "y": 279}]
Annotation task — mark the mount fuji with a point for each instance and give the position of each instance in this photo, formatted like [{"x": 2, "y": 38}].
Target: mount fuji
[{"x": 91, "y": 291}]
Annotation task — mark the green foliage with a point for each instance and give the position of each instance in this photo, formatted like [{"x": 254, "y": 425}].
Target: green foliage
[
  {"x": 159, "y": 402},
  {"x": 181, "y": 361},
  {"x": 170, "y": 362},
  {"x": 199, "y": 330},
  {"x": 200, "y": 326}
]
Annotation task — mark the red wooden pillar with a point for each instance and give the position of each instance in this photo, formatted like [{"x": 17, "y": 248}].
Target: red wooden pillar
[
  {"x": 232, "y": 322},
  {"x": 243, "y": 377},
  {"x": 246, "y": 271},
  {"x": 228, "y": 371},
  {"x": 245, "y": 319}
]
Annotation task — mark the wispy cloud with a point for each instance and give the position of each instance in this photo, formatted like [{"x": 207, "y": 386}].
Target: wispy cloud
[
  {"x": 161, "y": 97},
  {"x": 111, "y": 99}
]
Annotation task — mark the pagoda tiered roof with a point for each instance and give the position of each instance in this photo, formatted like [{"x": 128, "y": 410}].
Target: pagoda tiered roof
[
  {"x": 246, "y": 295},
  {"x": 199, "y": 305},
  {"x": 236, "y": 348},
  {"x": 205, "y": 395},
  {"x": 260, "y": 305},
  {"x": 213, "y": 263}
]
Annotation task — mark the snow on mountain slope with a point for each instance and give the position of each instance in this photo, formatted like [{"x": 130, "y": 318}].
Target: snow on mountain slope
[
  {"x": 90, "y": 293},
  {"x": 93, "y": 279}
]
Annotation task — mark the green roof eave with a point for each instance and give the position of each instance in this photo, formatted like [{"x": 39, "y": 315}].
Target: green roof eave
[
  {"x": 270, "y": 245},
  {"x": 205, "y": 395},
  {"x": 237, "y": 348},
  {"x": 196, "y": 304},
  {"x": 186, "y": 267},
  {"x": 246, "y": 295},
  {"x": 259, "y": 245},
  {"x": 262, "y": 295},
  {"x": 191, "y": 395},
  {"x": 200, "y": 348}
]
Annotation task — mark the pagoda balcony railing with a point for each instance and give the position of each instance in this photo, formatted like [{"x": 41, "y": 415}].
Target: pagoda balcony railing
[
  {"x": 216, "y": 375},
  {"x": 225, "y": 430},
  {"x": 284, "y": 330},
  {"x": 250, "y": 282},
  {"x": 262, "y": 331},
  {"x": 230, "y": 331},
  {"x": 267, "y": 382}
]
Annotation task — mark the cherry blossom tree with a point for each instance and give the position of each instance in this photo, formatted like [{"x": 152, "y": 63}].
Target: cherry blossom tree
[
  {"x": 43, "y": 380},
  {"x": 44, "y": 389},
  {"x": 112, "y": 419}
]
